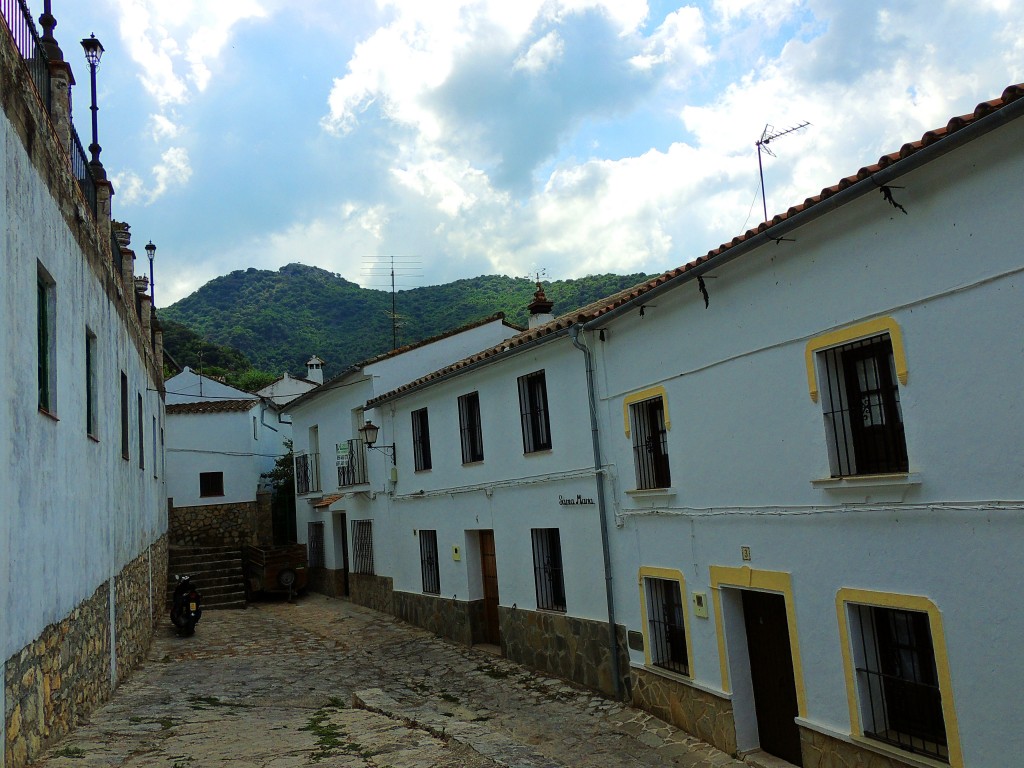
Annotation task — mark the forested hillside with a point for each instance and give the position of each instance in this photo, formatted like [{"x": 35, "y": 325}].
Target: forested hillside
[{"x": 278, "y": 319}]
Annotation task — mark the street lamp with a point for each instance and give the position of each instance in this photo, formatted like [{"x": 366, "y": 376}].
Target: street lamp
[
  {"x": 370, "y": 433},
  {"x": 93, "y": 54},
  {"x": 151, "y": 253}
]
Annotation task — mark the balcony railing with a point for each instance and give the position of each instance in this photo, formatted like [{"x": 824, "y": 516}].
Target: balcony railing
[
  {"x": 26, "y": 37},
  {"x": 352, "y": 465},
  {"x": 307, "y": 473}
]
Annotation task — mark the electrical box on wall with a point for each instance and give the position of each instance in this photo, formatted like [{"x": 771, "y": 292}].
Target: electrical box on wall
[
  {"x": 456, "y": 552},
  {"x": 700, "y": 605}
]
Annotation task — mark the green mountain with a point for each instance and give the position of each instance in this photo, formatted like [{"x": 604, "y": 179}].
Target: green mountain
[{"x": 277, "y": 320}]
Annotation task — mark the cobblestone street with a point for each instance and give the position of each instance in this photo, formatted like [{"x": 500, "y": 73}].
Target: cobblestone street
[{"x": 324, "y": 682}]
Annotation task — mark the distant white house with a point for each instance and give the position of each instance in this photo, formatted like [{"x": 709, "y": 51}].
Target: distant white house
[
  {"x": 220, "y": 441},
  {"x": 334, "y": 473},
  {"x": 286, "y": 388}
]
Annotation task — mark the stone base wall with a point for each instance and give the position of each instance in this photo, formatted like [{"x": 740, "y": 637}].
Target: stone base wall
[
  {"x": 214, "y": 525},
  {"x": 440, "y": 615},
  {"x": 374, "y": 592},
  {"x": 821, "y": 751},
  {"x": 706, "y": 716},
  {"x": 56, "y": 680},
  {"x": 565, "y": 646},
  {"x": 326, "y": 581}
]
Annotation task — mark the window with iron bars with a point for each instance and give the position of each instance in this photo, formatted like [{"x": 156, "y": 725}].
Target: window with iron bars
[
  {"x": 666, "y": 627},
  {"x": 421, "y": 440},
  {"x": 307, "y": 473},
  {"x": 352, "y": 464},
  {"x": 428, "y": 562},
  {"x": 650, "y": 444},
  {"x": 900, "y": 700},
  {"x": 861, "y": 402},
  {"x": 470, "y": 428},
  {"x": 547, "y": 569},
  {"x": 315, "y": 542},
  {"x": 362, "y": 546},
  {"x": 533, "y": 409}
]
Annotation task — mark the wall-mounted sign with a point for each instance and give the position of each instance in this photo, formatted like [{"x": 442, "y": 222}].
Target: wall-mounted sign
[{"x": 573, "y": 502}]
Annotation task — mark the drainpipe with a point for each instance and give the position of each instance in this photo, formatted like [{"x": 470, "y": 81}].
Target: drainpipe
[{"x": 602, "y": 508}]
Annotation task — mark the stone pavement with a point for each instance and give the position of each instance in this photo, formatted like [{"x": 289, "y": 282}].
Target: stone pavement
[{"x": 325, "y": 682}]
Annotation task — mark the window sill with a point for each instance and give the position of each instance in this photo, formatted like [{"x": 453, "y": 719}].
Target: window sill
[
  {"x": 889, "y": 487},
  {"x": 651, "y": 493},
  {"x": 212, "y": 496},
  {"x": 93, "y": 438},
  {"x": 538, "y": 452},
  {"x": 48, "y": 414},
  {"x": 555, "y": 611},
  {"x": 472, "y": 463}
]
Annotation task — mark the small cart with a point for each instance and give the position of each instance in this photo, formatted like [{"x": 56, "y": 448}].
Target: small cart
[{"x": 275, "y": 569}]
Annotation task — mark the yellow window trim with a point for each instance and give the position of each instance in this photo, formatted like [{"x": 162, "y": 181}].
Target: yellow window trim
[
  {"x": 669, "y": 574},
  {"x": 852, "y": 333},
  {"x": 908, "y": 603},
  {"x": 645, "y": 394},
  {"x": 746, "y": 577}
]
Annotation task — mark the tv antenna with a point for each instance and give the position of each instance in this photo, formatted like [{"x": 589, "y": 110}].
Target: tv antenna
[
  {"x": 385, "y": 266},
  {"x": 768, "y": 135}
]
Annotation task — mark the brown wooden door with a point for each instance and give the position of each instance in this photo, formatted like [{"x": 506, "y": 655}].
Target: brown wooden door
[
  {"x": 489, "y": 571},
  {"x": 771, "y": 674}
]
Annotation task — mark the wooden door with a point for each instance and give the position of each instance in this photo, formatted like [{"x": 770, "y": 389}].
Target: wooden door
[
  {"x": 489, "y": 572},
  {"x": 771, "y": 674}
]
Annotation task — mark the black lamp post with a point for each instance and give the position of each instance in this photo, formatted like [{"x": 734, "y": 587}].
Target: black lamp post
[
  {"x": 370, "y": 433},
  {"x": 93, "y": 54},
  {"x": 151, "y": 253}
]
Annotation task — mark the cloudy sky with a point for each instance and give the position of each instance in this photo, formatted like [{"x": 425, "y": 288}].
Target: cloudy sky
[{"x": 474, "y": 137}]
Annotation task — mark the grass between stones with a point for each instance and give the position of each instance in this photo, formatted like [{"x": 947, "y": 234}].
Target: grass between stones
[
  {"x": 330, "y": 738},
  {"x": 75, "y": 753}
]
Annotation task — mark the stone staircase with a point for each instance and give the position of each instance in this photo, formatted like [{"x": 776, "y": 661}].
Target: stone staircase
[{"x": 216, "y": 572}]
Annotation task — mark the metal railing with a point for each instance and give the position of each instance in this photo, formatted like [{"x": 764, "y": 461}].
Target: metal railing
[
  {"x": 307, "y": 473},
  {"x": 26, "y": 38},
  {"x": 352, "y": 470},
  {"x": 80, "y": 167}
]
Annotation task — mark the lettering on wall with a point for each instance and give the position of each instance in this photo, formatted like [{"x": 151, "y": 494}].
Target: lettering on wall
[{"x": 580, "y": 500}]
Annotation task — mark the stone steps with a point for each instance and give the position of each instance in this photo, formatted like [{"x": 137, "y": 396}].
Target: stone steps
[{"x": 215, "y": 571}]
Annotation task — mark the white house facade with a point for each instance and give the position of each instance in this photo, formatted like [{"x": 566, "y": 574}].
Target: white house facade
[
  {"x": 336, "y": 477},
  {"x": 83, "y": 528},
  {"x": 220, "y": 442},
  {"x": 812, "y": 486}
]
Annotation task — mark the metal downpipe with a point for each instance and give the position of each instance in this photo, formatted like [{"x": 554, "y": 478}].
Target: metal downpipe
[{"x": 602, "y": 508}]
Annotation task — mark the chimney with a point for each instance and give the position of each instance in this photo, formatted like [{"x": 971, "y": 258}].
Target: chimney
[
  {"x": 540, "y": 308},
  {"x": 315, "y": 370}
]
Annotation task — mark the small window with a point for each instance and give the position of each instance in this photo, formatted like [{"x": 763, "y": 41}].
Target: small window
[
  {"x": 125, "y": 453},
  {"x": 428, "y": 562},
  {"x": 142, "y": 435},
  {"x": 666, "y": 626},
  {"x": 861, "y": 402},
  {"x": 650, "y": 443},
  {"x": 46, "y": 336},
  {"x": 547, "y": 569},
  {"x": 897, "y": 679},
  {"x": 470, "y": 427},
  {"x": 362, "y": 546},
  {"x": 90, "y": 384},
  {"x": 315, "y": 539},
  {"x": 211, "y": 483},
  {"x": 533, "y": 409},
  {"x": 156, "y": 452},
  {"x": 421, "y": 439}
]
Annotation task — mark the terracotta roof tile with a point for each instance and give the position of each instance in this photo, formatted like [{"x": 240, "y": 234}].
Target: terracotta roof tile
[
  {"x": 326, "y": 501},
  {"x": 593, "y": 311},
  {"x": 211, "y": 406}
]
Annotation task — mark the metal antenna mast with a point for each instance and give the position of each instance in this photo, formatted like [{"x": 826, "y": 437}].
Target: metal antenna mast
[
  {"x": 767, "y": 135},
  {"x": 390, "y": 266}
]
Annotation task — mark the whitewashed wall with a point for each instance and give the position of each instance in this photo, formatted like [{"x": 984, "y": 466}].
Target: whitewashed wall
[
  {"x": 746, "y": 439},
  {"x": 74, "y": 512}
]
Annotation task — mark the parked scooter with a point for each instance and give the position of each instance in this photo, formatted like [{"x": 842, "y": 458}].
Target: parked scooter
[{"x": 186, "y": 607}]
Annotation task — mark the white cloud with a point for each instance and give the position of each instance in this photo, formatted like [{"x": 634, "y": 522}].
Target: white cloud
[
  {"x": 679, "y": 41},
  {"x": 163, "y": 128},
  {"x": 173, "y": 170},
  {"x": 129, "y": 188},
  {"x": 542, "y": 54}
]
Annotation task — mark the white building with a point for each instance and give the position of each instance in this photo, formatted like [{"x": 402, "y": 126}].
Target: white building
[
  {"x": 220, "y": 442},
  {"x": 286, "y": 388},
  {"x": 812, "y": 474},
  {"x": 83, "y": 549},
  {"x": 336, "y": 478}
]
